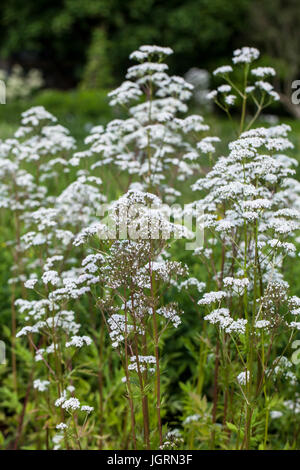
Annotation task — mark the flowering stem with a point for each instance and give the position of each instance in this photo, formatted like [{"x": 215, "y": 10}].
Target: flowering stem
[
  {"x": 144, "y": 397},
  {"x": 155, "y": 330},
  {"x": 76, "y": 431},
  {"x": 244, "y": 99},
  {"x": 100, "y": 381},
  {"x": 13, "y": 339},
  {"x": 265, "y": 391},
  {"x": 215, "y": 394},
  {"x": 128, "y": 381}
]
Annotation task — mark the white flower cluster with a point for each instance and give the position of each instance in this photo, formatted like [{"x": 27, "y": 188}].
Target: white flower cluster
[
  {"x": 252, "y": 208},
  {"x": 70, "y": 404},
  {"x": 258, "y": 90},
  {"x": 152, "y": 141},
  {"x": 46, "y": 223},
  {"x": 141, "y": 363},
  {"x": 222, "y": 317},
  {"x": 64, "y": 254},
  {"x": 41, "y": 385}
]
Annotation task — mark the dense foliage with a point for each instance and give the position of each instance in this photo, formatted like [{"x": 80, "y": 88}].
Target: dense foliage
[
  {"x": 121, "y": 332},
  {"x": 54, "y": 36}
]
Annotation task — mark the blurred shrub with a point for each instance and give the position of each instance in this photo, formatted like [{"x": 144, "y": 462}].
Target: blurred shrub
[
  {"x": 89, "y": 104},
  {"x": 98, "y": 73},
  {"x": 200, "y": 79},
  {"x": 78, "y": 110},
  {"x": 20, "y": 84}
]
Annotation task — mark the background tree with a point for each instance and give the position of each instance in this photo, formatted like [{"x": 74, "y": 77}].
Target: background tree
[
  {"x": 54, "y": 35},
  {"x": 275, "y": 29}
]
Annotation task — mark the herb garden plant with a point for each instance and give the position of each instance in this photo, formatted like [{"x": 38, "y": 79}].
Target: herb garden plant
[{"x": 108, "y": 292}]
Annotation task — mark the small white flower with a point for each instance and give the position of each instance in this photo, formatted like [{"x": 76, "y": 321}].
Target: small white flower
[
  {"x": 61, "y": 426},
  {"x": 50, "y": 277},
  {"x": 276, "y": 414},
  {"x": 71, "y": 404},
  {"x": 87, "y": 409},
  {"x": 30, "y": 283},
  {"x": 224, "y": 89},
  {"x": 41, "y": 385},
  {"x": 211, "y": 95},
  {"x": 79, "y": 341},
  {"x": 245, "y": 55},
  {"x": 263, "y": 72},
  {"x": 243, "y": 377},
  {"x": 230, "y": 99},
  {"x": 223, "y": 70}
]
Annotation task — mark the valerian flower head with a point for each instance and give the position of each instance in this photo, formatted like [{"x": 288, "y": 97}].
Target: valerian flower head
[{"x": 152, "y": 141}]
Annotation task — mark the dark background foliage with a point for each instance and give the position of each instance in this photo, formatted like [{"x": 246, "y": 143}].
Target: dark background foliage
[{"x": 59, "y": 36}]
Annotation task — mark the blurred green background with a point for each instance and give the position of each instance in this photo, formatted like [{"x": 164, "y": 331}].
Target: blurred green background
[{"x": 81, "y": 47}]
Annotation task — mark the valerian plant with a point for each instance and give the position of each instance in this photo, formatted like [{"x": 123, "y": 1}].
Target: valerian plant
[
  {"x": 130, "y": 277},
  {"x": 154, "y": 145},
  {"x": 27, "y": 161},
  {"x": 251, "y": 216},
  {"x": 100, "y": 286}
]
